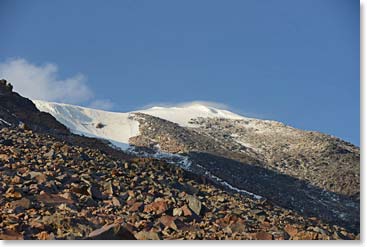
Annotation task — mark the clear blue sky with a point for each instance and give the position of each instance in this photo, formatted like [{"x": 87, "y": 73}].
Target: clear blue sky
[{"x": 296, "y": 61}]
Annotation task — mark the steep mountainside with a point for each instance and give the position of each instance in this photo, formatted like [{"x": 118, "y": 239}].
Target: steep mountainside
[{"x": 307, "y": 171}]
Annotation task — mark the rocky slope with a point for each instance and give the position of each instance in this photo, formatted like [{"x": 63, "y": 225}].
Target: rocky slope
[
  {"x": 51, "y": 190},
  {"x": 242, "y": 178},
  {"x": 324, "y": 161},
  {"x": 310, "y": 172}
]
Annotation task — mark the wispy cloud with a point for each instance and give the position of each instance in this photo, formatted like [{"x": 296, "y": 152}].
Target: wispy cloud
[{"x": 43, "y": 82}]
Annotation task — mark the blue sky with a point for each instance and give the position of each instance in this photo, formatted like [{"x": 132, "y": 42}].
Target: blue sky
[{"x": 292, "y": 61}]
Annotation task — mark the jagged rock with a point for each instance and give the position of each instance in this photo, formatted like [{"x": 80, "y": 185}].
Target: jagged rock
[
  {"x": 168, "y": 221},
  {"x": 24, "y": 203},
  {"x": 39, "y": 176},
  {"x": 12, "y": 193},
  {"x": 53, "y": 199},
  {"x": 136, "y": 206},
  {"x": 305, "y": 236},
  {"x": 145, "y": 235},
  {"x": 111, "y": 232},
  {"x": 16, "y": 180},
  {"x": 177, "y": 211},
  {"x": 4, "y": 157},
  {"x": 83, "y": 190},
  {"x": 238, "y": 227},
  {"x": 291, "y": 230},
  {"x": 108, "y": 189},
  {"x": 186, "y": 211},
  {"x": 158, "y": 207},
  {"x": 96, "y": 194},
  {"x": 116, "y": 202},
  {"x": 50, "y": 154},
  {"x": 194, "y": 204},
  {"x": 45, "y": 236},
  {"x": 263, "y": 236},
  {"x": 11, "y": 235}
]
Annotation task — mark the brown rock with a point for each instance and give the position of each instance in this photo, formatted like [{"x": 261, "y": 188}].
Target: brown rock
[
  {"x": 12, "y": 193},
  {"x": 263, "y": 236},
  {"x": 238, "y": 227},
  {"x": 111, "y": 232},
  {"x": 108, "y": 189},
  {"x": 4, "y": 157},
  {"x": 53, "y": 199},
  {"x": 131, "y": 193},
  {"x": 144, "y": 235},
  {"x": 116, "y": 202},
  {"x": 45, "y": 236},
  {"x": 177, "y": 211},
  {"x": 50, "y": 154},
  {"x": 158, "y": 207},
  {"x": 168, "y": 221},
  {"x": 306, "y": 236},
  {"x": 291, "y": 230},
  {"x": 136, "y": 206},
  {"x": 39, "y": 176},
  {"x": 83, "y": 190},
  {"x": 11, "y": 235},
  {"x": 186, "y": 211},
  {"x": 24, "y": 203},
  {"x": 194, "y": 204},
  {"x": 36, "y": 224},
  {"x": 16, "y": 180}
]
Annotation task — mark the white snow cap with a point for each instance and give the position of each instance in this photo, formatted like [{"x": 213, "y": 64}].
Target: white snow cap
[
  {"x": 117, "y": 127},
  {"x": 181, "y": 114}
]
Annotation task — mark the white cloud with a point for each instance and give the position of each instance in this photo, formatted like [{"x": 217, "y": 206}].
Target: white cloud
[
  {"x": 101, "y": 104},
  {"x": 42, "y": 82}
]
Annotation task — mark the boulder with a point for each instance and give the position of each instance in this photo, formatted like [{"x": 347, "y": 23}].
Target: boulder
[{"x": 111, "y": 232}]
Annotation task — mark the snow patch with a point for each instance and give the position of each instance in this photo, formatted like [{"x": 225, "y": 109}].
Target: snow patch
[
  {"x": 118, "y": 127},
  {"x": 229, "y": 186},
  {"x": 5, "y": 122},
  {"x": 176, "y": 159}
]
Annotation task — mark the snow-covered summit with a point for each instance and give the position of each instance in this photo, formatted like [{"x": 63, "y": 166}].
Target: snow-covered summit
[
  {"x": 184, "y": 113},
  {"x": 119, "y": 127}
]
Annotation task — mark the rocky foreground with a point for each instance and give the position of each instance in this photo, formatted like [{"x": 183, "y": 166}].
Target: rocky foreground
[{"x": 52, "y": 190}]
